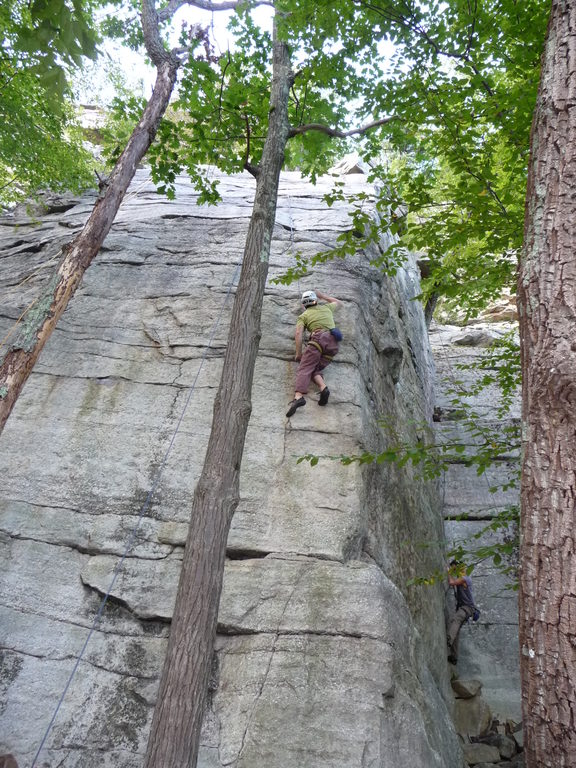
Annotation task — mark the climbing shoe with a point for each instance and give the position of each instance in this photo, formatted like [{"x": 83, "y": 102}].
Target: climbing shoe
[
  {"x": 294, "y": 405},
  {"x": 324, "y": 395}
]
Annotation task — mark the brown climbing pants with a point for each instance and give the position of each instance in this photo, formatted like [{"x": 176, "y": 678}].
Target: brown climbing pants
[{"x": 321, "y": 348}]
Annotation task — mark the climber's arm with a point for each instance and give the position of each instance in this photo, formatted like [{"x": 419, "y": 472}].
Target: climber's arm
[{"x": 329, "y": 299}]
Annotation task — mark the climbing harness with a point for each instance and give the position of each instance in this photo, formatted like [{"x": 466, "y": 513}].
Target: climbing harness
[
  {"x": 313, "y": 343},
  {"x": 336, "y": 333}
]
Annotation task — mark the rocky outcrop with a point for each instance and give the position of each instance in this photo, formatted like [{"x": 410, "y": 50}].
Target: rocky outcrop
[
  {"x": 486, "y": 740},
  {"x": 488, "y": 647},
  {"x": 325, "y": 655}
]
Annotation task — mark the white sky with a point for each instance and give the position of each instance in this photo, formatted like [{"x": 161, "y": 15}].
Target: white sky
[{"x": 95, "y": 86}]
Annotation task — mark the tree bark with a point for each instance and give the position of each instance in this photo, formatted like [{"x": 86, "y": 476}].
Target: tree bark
[
  {"x": 175, "y": 733},
  {"x": 18, "y": 361},
  {"x": 547, "y": 304}
]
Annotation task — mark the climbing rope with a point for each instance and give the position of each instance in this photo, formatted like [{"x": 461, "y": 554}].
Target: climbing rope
[
  {"x": 145, "y": 505},
  {"x": 16, "y": 323},
  {"x": 292, "y": 254}
]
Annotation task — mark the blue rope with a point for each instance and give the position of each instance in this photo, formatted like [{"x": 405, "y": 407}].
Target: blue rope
[{"x": 143, "y": 509}]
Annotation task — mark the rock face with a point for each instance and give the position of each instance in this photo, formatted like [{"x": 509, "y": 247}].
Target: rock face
[
  {"x": 488, "y": 647},
  {"x": 325, "y": 655}
]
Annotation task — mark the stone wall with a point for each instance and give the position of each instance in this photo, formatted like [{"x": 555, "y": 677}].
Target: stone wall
[
  {"x": 489, "y": 647},
  {"x": 325, "y": 656}
]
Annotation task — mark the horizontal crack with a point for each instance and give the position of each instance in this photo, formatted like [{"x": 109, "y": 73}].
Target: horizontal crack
[
  {"x": 232, "y": 630},
  {"x": 115, "y": 600},
  {"x": 71, "y": 657},
  {"x": 471, "y": 517},
  {"x": 95, "y": 552},
  {"x": 87, "y": 626},
  {"x": 246, "y": 554}
]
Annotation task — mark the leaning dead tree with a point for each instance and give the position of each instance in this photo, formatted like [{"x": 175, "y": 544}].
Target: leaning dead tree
[{"x": 23, "y": 351}]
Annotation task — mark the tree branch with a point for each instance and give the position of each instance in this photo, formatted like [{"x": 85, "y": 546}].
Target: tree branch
[
  {"x": 9, "y": 182},
  {"x": 220, "y": 96},
  {"x": 253, "y": 169},
  {"x": 182, "y": 51},
  {"x": 206, "y": 5},
  {"x": 150, "y": 20},
  {"x": 335, "y": 132},
  {"x": 412, "y": 23}
]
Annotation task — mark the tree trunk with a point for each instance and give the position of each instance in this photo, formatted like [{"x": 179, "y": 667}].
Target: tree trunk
[
  {"x": 18, "y": 361},
  {"x": 547, "y": 303},
  {"x": 175, "y": 733}
]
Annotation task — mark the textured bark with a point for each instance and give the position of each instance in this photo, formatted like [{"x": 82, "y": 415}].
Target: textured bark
[
  {"x": 547, "y": 304},
  {"x": 18, "y": 361},
  {"x": 175, "y": 733}
]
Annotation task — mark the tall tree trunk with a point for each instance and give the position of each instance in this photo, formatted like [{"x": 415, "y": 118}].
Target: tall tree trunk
[
  {"x": 547, "y": 302},
  {"x": 175, "y": 732},
  {"x": 18, "y": 361}
]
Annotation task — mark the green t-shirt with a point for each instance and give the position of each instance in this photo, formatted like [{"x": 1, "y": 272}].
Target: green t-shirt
[{"x": 318, "y": 317}]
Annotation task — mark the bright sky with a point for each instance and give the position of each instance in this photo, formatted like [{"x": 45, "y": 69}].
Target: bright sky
[{"x": 139, "y": 77}]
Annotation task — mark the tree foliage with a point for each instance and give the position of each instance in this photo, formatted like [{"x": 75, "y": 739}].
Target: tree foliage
[
  {"x": 460, "y": 88},
  {"x": 41, "y": 146},
  {"x": 220, "y": 115},
  {"x": 463, "y": 90}
]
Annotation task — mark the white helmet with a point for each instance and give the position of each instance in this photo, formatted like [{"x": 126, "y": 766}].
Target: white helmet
[{"x": 309, "y": 298}]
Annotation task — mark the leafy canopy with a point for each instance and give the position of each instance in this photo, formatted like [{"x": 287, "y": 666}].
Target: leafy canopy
[
  {"x": 220, "y": 115},
  {"x": 42, "y": 42},
  {"x": 462, "y": 82}
]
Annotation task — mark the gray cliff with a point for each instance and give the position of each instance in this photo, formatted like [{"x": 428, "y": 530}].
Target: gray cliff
[
  {"x": 325, "y": 657},
  {"x": 488, "y": 648}
]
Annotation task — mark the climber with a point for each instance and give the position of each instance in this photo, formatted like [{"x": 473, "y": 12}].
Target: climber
[
  {"x": 318, "y": 320},
  {"x": 465, "y": 608}
]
